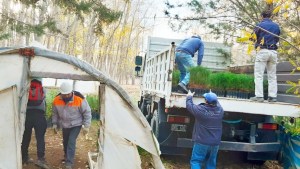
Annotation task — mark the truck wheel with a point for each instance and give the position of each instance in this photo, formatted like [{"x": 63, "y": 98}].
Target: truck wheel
[
  {"x": 155, "y": 123},
  {"x": 149, "y": 115},
  {"x": 144, "y": 107}
]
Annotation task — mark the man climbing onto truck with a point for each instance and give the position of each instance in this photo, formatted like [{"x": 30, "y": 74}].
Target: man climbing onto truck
[{"x": 184, "y": 58}]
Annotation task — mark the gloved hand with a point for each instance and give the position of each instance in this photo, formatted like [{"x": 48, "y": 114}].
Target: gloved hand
[
  {"x": 55, "y": 128},
  {"x": 190, "y": 93},
  {"x": 85, "y": 130}
]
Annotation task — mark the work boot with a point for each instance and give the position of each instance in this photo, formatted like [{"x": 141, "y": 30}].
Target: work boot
[
  {"x": 272, "y": 99},
  {"x": 183, "y": 87},
  {"x": 257, "y": 99},
  {"x": 42, "y": 164}
]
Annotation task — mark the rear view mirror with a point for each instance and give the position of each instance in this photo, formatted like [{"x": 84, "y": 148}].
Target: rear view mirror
[
  {"x": 138, "y": 60},
  {"x": 137, "y": 69}
]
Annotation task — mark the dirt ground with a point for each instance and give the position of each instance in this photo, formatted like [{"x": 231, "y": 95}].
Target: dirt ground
[
  {"x": 54, "y": 151},
  {"x": 54, "y": 155}
]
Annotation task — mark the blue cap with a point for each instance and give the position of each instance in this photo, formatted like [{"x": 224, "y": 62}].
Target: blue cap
[{"x": 210, "y": 97}]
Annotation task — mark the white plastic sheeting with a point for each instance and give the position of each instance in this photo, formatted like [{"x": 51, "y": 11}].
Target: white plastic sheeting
[
  {"x": 123, "y": 126},
  {"x": 12, "y": 109},
  {"x": 123, "y": 130},
  {"x": 50, "y": 66},
  {"x": 9, "y": 142},
  {"x": 11, "y": 67}
]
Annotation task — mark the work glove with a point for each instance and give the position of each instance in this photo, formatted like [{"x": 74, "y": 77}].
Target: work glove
[
  {"x": 190, "y": 93},
  {"x": 85, "y": 130},
  {"x": 55, "y": 128}
]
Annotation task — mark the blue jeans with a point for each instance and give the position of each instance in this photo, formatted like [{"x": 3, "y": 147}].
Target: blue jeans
[
  {"x": 204, "y": 155},
  {"x": 184, "y": 62},
  {"x": 69, "y": 140}
]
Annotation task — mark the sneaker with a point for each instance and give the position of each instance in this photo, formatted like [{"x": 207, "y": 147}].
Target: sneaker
[
  {"x": 68, "y": 167},
  {"x": 42, "y": 164},
  {"x": 272, "y": 99},
  {"x": 183, "y": 87},
  {"x": 257, "y": 99},
  {"x": 29, "y": 160}
]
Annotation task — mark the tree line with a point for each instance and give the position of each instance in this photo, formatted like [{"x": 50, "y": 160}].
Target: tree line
[{"x": 107, "y": 34}]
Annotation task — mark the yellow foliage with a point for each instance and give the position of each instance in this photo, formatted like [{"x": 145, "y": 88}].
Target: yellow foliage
[
  {"x": 285, "y": 15},
  {"x": 262, "y": 42},
  {"x": 269, "y": 2},
  {"x": 291, "y": 83},
  {"x": 258, "y": 48},
  {"x": 284, "y": 43},
  {"x": 246, "y": 33},
  {"x": 298, "y": 68},
  {"x": 250, "y": 48},
  {"x": 244, "y": 39},
  {"x": 276, "y": 10},
  {"x": 253, "y": 36},
  {"x": 247, "y": 36},
  {"x": 287, "y": 5}
]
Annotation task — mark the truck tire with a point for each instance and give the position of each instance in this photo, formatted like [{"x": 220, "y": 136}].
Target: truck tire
[
  {"x": 144, "y": 107},
  {"x": 155, "y": 123},
  {"x": 159, "y": 122}
]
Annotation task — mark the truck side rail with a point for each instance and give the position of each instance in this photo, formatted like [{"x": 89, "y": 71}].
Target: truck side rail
[{"x": 157, "y": 78}]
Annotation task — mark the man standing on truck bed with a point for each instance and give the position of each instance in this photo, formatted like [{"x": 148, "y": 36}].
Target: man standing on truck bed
[
  {"x": 266, "y": 57},
  {"x": 207, "y": 130},
  {"x": 184, "y": 58}
]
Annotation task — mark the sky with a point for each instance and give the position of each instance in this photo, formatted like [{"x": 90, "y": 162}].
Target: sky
[{"x": 161, "y": 27}]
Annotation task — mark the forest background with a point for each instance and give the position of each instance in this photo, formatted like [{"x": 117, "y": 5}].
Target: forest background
[{"x": 109, "y": 34}]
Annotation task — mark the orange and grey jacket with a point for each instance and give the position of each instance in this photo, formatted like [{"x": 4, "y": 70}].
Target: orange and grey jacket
[{"x": 76, "y": 112}]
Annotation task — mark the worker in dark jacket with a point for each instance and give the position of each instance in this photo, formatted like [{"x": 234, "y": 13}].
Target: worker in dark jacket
[
  {"x": 35, "y": 118},
  {"x": 267, "y": 33},
  {"x": 207, "y": 130},
  {"x": 184, "y": 58}
]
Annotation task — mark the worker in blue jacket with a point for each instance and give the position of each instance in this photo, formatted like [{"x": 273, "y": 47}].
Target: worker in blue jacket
[
  {"x": 207, "y": 130},
  {"x": 184, "y": 58},
  {"x": 267, "y": 33}
]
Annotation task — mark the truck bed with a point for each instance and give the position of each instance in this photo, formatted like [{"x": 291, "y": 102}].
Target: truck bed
[{"x": 241, "y": 105}]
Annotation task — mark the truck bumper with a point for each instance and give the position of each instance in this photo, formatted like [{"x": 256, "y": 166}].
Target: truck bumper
[{"x": 236, "y": 146}]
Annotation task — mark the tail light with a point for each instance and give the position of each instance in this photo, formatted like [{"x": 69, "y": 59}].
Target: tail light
[
  {"x": 178, "y": 119},
  {"x": 267, "y": 126}
]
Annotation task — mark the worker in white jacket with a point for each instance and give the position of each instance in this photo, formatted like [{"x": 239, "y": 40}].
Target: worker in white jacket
[{"x": 72, "y": 112}]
